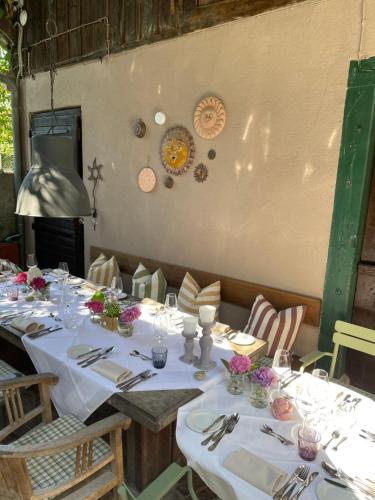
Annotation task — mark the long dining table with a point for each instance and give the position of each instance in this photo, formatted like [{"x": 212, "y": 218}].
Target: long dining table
[
  {"x": 354, "y": 456},
  {"x": 152, "y": 405}
]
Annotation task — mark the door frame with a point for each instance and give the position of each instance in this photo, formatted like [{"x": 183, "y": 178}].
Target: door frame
[{"x": 351, "y": 201}]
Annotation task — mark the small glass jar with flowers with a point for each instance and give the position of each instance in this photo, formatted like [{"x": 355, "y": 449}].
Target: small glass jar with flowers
[
  {"x": 262, "y": 380},
  {"x": 237, "y": 369},
  {"x": 41, "y": 288},
  {"x": 21, "y": 281},
  {"x": 96, "y": 308},
  {"x": 112, "y": 311},
  {"x": 126, "y": 319}
]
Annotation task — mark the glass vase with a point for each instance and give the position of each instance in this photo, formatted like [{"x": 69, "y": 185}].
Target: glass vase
[
  {"x": 259, "y": 396},
  {"x": 43, "y": 294},
  {"x": 235, "y": 383},
  {"x": 95, "y": 317},
  {"x": 125, "y": 329}
]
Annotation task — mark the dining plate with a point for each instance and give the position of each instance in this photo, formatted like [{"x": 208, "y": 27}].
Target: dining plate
[
  {"x": 77, "y": 350},
  {"x": 198, "y": 420},
  {"x": 242, "y": 338},
  {"x": 326, "y": 491},
  {"x": 75, "y": 281}
]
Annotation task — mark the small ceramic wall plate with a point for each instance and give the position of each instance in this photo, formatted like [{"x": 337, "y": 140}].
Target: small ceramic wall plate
[
  {"x": 209, "y": 117},
  {"x": 160, "y": 118},
  {"x": 198, "y": 420},
  {"x": 146, "y": 180}
]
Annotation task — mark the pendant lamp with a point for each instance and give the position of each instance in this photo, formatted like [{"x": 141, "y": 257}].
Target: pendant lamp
[{"x": 52, "y": 186}]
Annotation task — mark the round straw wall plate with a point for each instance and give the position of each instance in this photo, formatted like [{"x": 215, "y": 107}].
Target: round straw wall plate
[
  {"x": 146, "y": 180},
  {"x": 209, "y": 117},
  {"x": 177, "y": 150}
]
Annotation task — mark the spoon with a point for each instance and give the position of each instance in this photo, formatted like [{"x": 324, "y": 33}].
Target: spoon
[
  {"x": 334, "y": 435},
  {"x": 342, "y": 440},
  {"x": 140, "y": 355},
  {"x": 339, "y": 474}
]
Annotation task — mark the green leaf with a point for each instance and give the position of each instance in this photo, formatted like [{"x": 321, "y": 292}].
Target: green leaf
[{"x": 225, "y": 363}]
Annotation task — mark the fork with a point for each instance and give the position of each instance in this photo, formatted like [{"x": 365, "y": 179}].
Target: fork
[
  {"x": 268, "y": 430},
  {"x": 300, "y": 478},
  {"x": 136, "y": 382},
  {"x": 215, "y": 434},
  {"x": 228, "y": 429},
  {"x": 279, "y": 493}
]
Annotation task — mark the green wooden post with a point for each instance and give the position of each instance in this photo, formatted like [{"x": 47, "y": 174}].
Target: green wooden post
[{"x": 351, "y": 201}]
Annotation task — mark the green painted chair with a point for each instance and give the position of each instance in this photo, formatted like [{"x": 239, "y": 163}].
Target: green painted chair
[
  {"x": 346, "y": 335},
  {"x": 161, "y": 485}
]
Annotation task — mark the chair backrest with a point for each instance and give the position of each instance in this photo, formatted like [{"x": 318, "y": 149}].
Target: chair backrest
[{"x": 354, "y": 337}]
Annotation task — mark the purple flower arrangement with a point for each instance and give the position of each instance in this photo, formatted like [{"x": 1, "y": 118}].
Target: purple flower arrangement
[
  {"x": 130, "y": 315},
  {"x": 263, "y": 376}
]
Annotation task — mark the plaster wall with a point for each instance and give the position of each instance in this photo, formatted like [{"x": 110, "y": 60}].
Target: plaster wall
[{"x": 264, "y": 214}]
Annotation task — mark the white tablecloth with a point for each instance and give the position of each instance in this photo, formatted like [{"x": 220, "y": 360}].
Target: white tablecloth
[
  {"x": 81, "y": 391},
  {"x": 355, "y": 456}
]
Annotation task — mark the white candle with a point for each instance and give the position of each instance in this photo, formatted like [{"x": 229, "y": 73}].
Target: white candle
[
  {"x": 190, "y": 324},
  {"x": 207, "y": 314}
]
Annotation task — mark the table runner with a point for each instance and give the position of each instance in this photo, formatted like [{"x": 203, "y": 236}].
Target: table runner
[
  {"x": 355, "y": 456},
  {"x": 81, "y": 391}
]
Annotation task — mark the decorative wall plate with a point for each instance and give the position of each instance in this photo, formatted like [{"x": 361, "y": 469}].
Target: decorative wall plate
[
  {"x": 209, "y": 117},
  {"x": 177, "y": 150},
  {"x": 160, "y": 118},
  {"x": 200, "y": 173},
  {"x": 168, "y": 182},
  {"x": 139, "y": 128},
  {"x": 211, "y": 154},
  {"x": 146, "y": 180}
]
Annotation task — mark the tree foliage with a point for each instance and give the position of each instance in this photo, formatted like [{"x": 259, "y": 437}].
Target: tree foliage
[{"x": 6, "y": 134}]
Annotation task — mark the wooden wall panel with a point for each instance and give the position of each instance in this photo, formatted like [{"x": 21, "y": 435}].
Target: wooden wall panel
[{"x": 131, "y": 23}]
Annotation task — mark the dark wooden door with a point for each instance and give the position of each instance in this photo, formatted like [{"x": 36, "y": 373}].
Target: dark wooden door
[
  {"x": 60, "y": 239},
  {"x": 361, "y": 367}
]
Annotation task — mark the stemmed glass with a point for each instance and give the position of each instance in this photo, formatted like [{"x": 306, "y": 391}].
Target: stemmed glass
[
  {"x": 63, "y": 266},
  {"x": 63, "y": 274},
  {"x": 281, "y": 364},
  {"x": 171, "y": 304},
  {"x": 31, "y": 261},
  {"x": 160, "y": 326},
  {"x": 117, "y": 286}
]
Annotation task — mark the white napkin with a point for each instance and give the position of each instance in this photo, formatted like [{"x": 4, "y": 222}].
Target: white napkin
[
  {"x": 26, "y": 325},
  {"x": 255, "y": 471},
  {"x": 111, "y": 370},
  {"x": 93, "y": 286}
]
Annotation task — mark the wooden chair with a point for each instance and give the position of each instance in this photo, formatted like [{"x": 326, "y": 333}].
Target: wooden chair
[
  {"x": 346, "y": 335},
  {"x": 58, "y": 457},
  {"x": 161, "y": 485}
]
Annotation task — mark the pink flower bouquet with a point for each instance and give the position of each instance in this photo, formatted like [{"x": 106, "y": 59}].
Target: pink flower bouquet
[
  {"x": 238, "y": 365},
  {"x": 21, "y": 278},
  {"x": 130, "y": 315},
  {"x": 95, "y": 306}
]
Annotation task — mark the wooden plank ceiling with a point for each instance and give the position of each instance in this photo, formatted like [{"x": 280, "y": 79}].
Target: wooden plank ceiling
[{"x": 130, "y": 23}]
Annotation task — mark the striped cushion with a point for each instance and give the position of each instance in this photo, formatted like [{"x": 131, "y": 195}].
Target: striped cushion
[
  {"x": 279, "y": 329},
  {"x": 191, "y": 296},
  {"x": 103, "y": 270},
  {"x": 145, "y": 284}
]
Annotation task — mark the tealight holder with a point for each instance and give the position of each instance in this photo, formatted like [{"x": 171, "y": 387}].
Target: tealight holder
[
  {"x": 205, "y": 342},
  {"x": 189, "y": 356}
]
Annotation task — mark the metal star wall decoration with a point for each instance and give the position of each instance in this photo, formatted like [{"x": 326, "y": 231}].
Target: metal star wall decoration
[{"x": 95, "y": 174}]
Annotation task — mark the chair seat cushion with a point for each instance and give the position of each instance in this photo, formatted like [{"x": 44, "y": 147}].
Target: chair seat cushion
[{"x": 48, "y": 471}]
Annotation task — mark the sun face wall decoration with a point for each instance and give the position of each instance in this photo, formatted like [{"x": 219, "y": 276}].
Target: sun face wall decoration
[
  {"x": 209, "y": 117},
  {"x": 177, "y": 150}
]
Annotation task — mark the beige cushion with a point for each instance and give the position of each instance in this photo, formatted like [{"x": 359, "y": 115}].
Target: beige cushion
[
  {"x": 103, "y": 270},
  {"x": 191, "y": 296}
]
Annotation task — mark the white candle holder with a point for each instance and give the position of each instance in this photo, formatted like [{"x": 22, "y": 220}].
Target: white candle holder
[
  {"x": 189, "y": 357},
  {"x": 205, "y": 342}
]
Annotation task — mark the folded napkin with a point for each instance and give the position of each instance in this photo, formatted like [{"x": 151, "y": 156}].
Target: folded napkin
[
  {"x": 255, "y": 471},
  {"x": 26, "y": 325},
  {"x": 111, "y": 370},
  {"x": 220, "y": 328},
  {"x": 3, "y": 278},
  {"x": 93, "y": 286},
  {"x": 152, "y": 305}
]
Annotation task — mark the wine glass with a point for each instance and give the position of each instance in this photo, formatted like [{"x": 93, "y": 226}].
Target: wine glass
[
  {"x": 31, "y": 261},
  {"x": 281, "y": 364},
  {"x": 117, "y": 286},
  {"x": 64, "y": 268},
  {"x": 307, "y": 399},
  {"x": 160, "y": 326},
  {"x": 171, "y": 304},
  {"x": 319, "y": 386}
]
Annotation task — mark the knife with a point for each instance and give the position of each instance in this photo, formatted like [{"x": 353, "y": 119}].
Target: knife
[
  {"x": 97, "y": 357},
  {"x": 340, "y": 485},
  {"x": 216, "y": 421},
  {"x": 89, "y": 352},
  {"x": 44, "y": 332}
]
